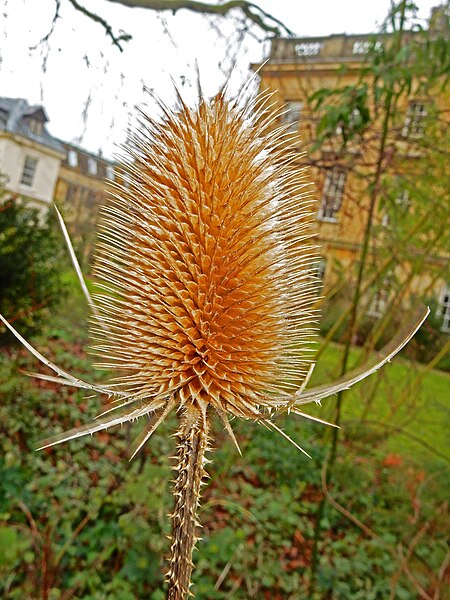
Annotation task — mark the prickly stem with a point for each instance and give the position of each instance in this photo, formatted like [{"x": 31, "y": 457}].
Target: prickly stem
[{"x": 190, "y": 461}]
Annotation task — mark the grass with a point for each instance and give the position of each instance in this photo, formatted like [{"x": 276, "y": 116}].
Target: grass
[
  {"x": 79, "y": 521},
  {"x": 402, "y": 399}
]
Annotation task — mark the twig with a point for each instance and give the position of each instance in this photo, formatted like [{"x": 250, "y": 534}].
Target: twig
[
  {"x": 52, "y": 26},
  {"x": 404, "y": 567},
  {"x": 116, "y": 40},
  {"x": 74, "y": 534},
  {"x": 34, "y": 529},
  {"x": 405, "y": 558},
  {"x": 441, "y": 575},
  {"x": 28, "y": 311},
  {"x": 369, "y": 532},
  {"x": 226, "y": 569}
]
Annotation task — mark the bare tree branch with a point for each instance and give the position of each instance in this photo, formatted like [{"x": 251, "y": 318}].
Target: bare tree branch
[
  {"x": 254, "y": 13},
  {"x": 405, "y": 558},
  {"x": 116, "y": 40},
  {"x": 399, "y": 555},
  {"x": 52, "y": 26}
]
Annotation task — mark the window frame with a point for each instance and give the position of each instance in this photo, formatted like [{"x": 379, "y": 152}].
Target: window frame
[
  {"x": 320, "y": 269},
  {"x": 380, "y": 300},
  {"x": 291, "y": 117},
  {"x": 110, "y": 173},
  {"x": 36, "y": 126},
  {"x": 414, "y": 124},
  {"x": 332, "y": 194},
  {"x": 72, "y": 158},
  {"x": 92, "y": 166},
  {"x": 29, "y": 171},
  {"x": 444, "y": 308}
]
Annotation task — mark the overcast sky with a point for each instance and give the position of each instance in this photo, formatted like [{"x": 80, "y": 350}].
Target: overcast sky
[{"x": 78, "y": 69}]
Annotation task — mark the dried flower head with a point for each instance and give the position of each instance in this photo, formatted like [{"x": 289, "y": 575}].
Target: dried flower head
[{"x": 207, "y": 258}]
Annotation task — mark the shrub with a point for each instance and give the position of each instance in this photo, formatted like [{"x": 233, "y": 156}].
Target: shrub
[
  {"x": 31, "y": 262},
  {"x": 423, "y": 347},
  {"x": 430, "y": 338}
]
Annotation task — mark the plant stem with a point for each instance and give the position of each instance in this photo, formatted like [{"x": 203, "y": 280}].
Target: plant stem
[{"x": 190, "y": 461}]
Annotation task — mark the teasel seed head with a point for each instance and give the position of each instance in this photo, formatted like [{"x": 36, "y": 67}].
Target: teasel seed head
[{"x": 206, "y": 256}]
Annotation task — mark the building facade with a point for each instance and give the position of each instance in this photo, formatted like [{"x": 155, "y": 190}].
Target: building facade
[
  {"x": 44, "y": 170},
  {"x": 30, "y": 158},
  {"x": 297, "y": 72},
  {"x": 81, "y": 188}
]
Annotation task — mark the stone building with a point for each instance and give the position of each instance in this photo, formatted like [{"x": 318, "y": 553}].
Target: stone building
[
  {"x": 81, "y": 189},
  {"x": 296, "y": 70},
  {"x": 45, "y": 170},
  {"x": 30, "y": 158}
]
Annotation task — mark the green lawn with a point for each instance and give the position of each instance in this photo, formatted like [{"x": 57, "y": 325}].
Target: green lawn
[{"x": 401, "y": 399}]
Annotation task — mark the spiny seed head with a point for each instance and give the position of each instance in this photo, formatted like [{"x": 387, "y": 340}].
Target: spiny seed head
[{"x": 206, "y": 256}]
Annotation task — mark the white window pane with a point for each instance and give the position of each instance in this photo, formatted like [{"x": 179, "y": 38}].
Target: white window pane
[
  {"x": 72, "y": 158},
  {"x": 92, "y": 166},
  {"x": 403, "y": 199},
  {"x": 414, "y": 125},
  {"x": 444, "y": 308},
  {"x": 320, "y": 269},
  {"x": 293, "y": 114},
  {"x": 29, "y": 171},
  {"x": 36, "y": 127},
  {"x": 332, "y": 194},
  {"x": 380, "y": 299}
]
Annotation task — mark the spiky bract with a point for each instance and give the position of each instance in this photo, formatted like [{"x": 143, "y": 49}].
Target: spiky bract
[{"x": 207, "y": 257}]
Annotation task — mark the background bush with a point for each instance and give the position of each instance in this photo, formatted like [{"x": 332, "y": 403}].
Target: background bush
[
  {"x": 32, "y": 259},
  {"x": 423, "y": 347}
]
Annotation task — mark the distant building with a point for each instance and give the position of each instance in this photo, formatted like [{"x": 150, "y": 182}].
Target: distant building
[
  {"x": 30, "y": 157},
  {"x": 80, "y": 190},
  {"x": 298, "y": 68},
  {"x": 43, "y": 169}
]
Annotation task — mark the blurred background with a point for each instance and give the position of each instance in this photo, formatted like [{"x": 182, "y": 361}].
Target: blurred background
[{"x": 363, "y": 89}]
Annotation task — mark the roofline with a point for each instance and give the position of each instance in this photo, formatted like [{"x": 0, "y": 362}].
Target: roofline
[
  {"x": 70, "y": 145},
  {"x": 31, "y": 143}
]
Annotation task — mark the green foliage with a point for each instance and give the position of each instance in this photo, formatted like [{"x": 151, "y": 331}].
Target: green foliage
[
  {"x": 406, "y": 253},
  {"x": 398, "y": 65},
  {"x": 376, "y": 332},
  {"x": 31, "y": 260},
  {"x": 349, "y": 114},
  {"x": 429, "y": 337}
]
